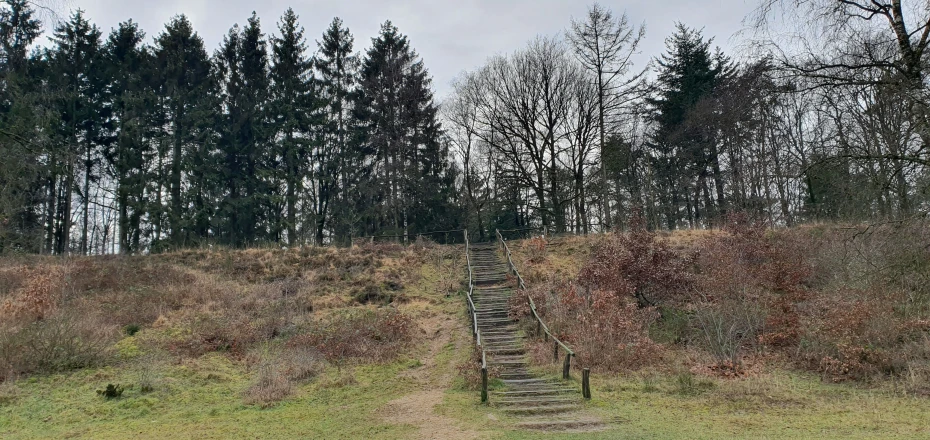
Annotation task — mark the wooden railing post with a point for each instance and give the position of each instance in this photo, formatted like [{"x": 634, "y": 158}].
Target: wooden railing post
[
  {"x": 484, "y": 385},
  {"x": 586, "y": 383},
  {"x": 555, "y": 351},
  {"x": 567, "y": 367}
]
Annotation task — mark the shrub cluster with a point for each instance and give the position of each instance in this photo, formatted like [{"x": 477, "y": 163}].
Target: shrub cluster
[
  {"x": 850, "y": 303},
  {"x": 61, "y": 314},
  {"x": 359, "y": 335},
  {"x": 607, "y": 331}
]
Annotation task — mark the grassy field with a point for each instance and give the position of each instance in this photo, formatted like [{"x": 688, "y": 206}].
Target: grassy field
[
  {"x": 421, "y": 393},
  {"x": 202, "y": 399}
]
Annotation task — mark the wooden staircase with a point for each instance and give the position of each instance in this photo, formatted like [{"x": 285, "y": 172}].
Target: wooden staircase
[{"x": 538, "y": 403}]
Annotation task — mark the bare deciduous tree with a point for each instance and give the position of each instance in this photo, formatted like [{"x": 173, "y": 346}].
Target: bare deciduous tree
[{"x": 605, "y": 46}]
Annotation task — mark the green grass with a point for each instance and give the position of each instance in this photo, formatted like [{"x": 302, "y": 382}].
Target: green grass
[
  {"x": 202, "y": 399},
  {"x": 781, "y": 406}
]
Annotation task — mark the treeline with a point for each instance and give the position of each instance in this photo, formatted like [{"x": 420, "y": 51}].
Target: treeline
[
  {"x": 111, "y": 144},
  {"x": 570, "y": 134}
]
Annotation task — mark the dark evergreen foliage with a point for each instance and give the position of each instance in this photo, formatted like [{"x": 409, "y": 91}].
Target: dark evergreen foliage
[{"x": 119, "y": 146}]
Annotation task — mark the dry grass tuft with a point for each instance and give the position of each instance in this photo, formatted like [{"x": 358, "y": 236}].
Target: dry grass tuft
[{"x": 278, "y": 371}]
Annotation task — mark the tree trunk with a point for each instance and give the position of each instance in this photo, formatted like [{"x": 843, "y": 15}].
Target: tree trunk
[
  {"x": 87, "y": 165},
  {"x": 175, "y": 182}
]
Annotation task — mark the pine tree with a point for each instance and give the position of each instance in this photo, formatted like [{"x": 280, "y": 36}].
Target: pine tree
[
  {"x": 130, "y": 97},
  {"x": 21, "y": 139},
  {"x": 182, "y": 74},
  {"x": 18, "y": 30},
  {"x": 293, "y": 106},
  {"x": 243, "y": 63},
  {"x": 342, "y": 160},
  {"x": 399, "y": 118},
  {"x": 75, "y": 62},
  {"x": 686, "y": 153}
]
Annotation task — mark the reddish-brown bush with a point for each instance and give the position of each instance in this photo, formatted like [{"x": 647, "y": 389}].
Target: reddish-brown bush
[
  {"x": 638, "y": 265},
  {"x": 750, "y": 262},
  {"x": 749, "y": 284},
  {"x": 37, "y": 296},
  {"x": 606, "y": 331}
]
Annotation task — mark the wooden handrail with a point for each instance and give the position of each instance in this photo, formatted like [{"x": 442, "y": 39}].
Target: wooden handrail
[
  {"x": 473, "y": 311},
  {"x": 540, "y": 324}
]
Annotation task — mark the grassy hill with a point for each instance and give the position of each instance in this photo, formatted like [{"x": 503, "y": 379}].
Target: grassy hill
[{"x": 368, "y": 342}]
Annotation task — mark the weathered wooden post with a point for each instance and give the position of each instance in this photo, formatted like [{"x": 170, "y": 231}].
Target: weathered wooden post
[
  {"x": 586, "y": 383},
  {"x": 538, "y": 328},
  {"x": 484, "y": 384},
  {"x": 555, "y": 351},
  {"x": 567, "y": 366}
]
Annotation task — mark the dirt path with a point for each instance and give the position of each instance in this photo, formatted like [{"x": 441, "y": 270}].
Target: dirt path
[{"x": 420, "y": 408}]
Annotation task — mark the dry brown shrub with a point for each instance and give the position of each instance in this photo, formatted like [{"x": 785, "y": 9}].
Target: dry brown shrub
[
  {"x": 470, "y": 371},
  {"x": 12, "y": 276},
  {"x": 270, "y": 386},
  {"x": 535, "y": 249},
  {"x": 850, "y": 334},
  {"x": 749, "y": 286},
  {"x": 61, "y": 341},
  {"x": 606, "y": 331},
  {"x": 868, "y": 318},
  {"x": 360, "y": 335},
  {"x": 38, "y": 295}
]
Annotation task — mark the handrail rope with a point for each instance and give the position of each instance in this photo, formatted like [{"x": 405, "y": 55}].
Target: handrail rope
[
  {"x": 531, "y": 228},
  {"x": 474, "y": 319},
  {"x": 522, "y": 286},
  {"x": 412, "y": 234}
]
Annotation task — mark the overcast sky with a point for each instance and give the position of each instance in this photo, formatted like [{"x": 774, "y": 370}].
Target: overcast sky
[{"x": 451, "y": 36}]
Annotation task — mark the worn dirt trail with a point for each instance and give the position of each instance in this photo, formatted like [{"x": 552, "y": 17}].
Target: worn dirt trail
[{"x": 420, "y": 407}]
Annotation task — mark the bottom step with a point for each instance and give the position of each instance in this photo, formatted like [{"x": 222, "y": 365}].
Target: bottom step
[{"x": 586, "y": 424}]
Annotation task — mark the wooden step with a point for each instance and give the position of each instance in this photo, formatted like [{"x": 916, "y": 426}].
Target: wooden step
[
  {"x": 534, "y": 380},
  {"x": 540, "y": 409},
  {"x": 537, "y": 401},
  {"x": 535, "y": 392}
]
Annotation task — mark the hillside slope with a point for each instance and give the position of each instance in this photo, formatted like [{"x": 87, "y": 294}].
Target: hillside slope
[{"x": 370, "y": 342}]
